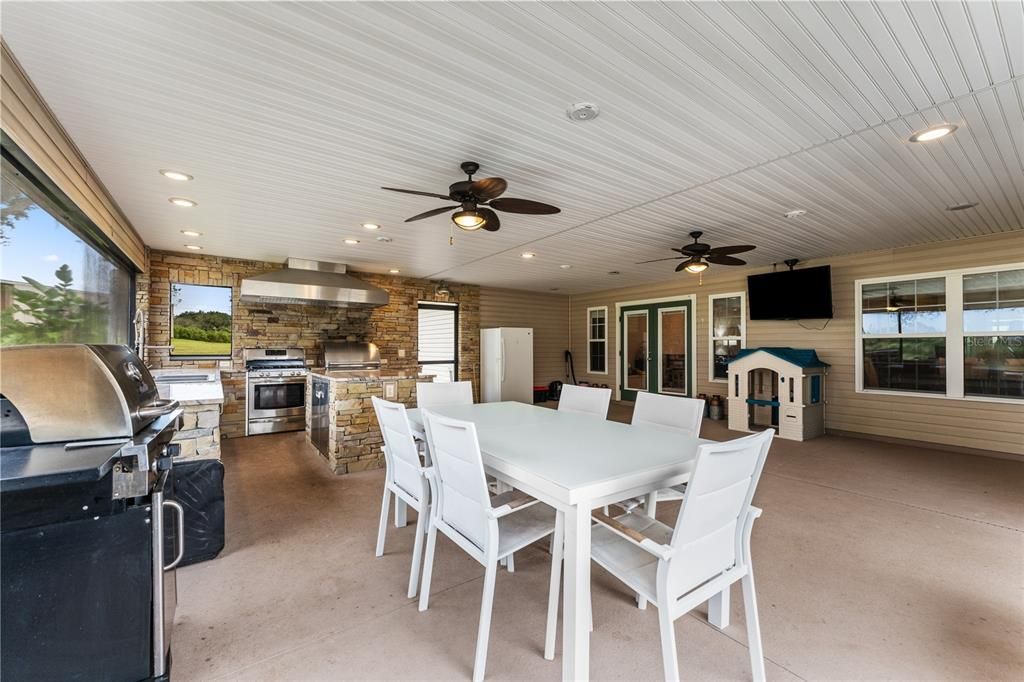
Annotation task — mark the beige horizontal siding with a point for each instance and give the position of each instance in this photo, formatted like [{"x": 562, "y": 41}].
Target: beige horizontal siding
[
  {"x": 960, "y": 423},
  {"x": 33, "y": 127},
  {"x": 546, "y": 314}
]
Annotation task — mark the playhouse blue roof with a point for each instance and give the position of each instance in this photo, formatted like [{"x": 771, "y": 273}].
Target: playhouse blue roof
[{"x": 801, "y": 357}]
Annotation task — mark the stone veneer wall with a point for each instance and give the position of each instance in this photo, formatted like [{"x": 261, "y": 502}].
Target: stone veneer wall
[
  {"x": 391, "y": 327},
  {"x": 199, "y": 436}
]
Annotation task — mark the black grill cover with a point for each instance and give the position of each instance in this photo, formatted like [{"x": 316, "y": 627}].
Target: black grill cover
[{"x": 199, "y": 487}]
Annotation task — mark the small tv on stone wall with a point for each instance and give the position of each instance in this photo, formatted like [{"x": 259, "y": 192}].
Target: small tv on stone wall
[{"x": 798, "y": 294}]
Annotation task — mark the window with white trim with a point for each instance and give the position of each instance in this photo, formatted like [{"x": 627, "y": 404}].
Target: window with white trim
[
  {"x": 956, "y": 334},
  {"x": 994, "y": 334},
  {"x": 727, "y": 332},
  {"x": 597, "y": 340}
]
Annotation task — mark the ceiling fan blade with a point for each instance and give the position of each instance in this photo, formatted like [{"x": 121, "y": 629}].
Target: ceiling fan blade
[
  {"x": 656, "y": 260},
  {"x": 492, "y": 224},
  {"x": 682, "y": 265},
  {"x": 724, "y": 260},
  {"x": 422, "y": 194},
  {"x": 730, "y": 250},
  {"x": 524, "y": 206},
  {"x": 432, "y": 212},
  {"x": 488, "y": 188}
]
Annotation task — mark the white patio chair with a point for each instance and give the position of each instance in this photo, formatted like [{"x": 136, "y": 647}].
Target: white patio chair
[
  {"x": 707, "y": 551},
  {"x": 405, "y": 477},
  {"x": 585, "y": 399},
  {"x": 670, "y": 413},
  {"x": 430, "y": 395},
  {"x": 487, "y": 528}
]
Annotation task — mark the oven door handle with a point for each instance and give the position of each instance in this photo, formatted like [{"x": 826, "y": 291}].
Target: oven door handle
[
  {"x": 176, "y": 506},
  {"x": 277, "y": 380}
]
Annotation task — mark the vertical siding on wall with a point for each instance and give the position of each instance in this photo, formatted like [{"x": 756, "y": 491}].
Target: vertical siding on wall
[
  {"x": 968, "y": 424},
  {"x": 546, "y": 314},
  {"x": 33, "y": 127}
]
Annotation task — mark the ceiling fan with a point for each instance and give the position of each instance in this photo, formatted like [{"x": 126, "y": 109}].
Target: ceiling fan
[
  {"x": 477, "y": 202},
  {"x": 698, "y": 256}
]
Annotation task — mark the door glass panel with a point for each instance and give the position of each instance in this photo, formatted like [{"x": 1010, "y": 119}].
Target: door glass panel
[
  {"x": 672, "y": 348},
  {"x": 636, "y": 351}
]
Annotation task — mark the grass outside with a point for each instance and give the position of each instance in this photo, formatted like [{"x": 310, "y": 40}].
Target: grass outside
[{"x": 190, "y": 347}]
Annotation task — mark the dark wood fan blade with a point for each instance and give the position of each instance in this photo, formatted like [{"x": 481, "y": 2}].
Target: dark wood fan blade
[
  {"x": 682, "y": 265},
  {"x": 656, "y": 260},
  {"x": 488, "y": 188},
  {"x": 432, "y": 212},
  {"x": 523, "y": 206},
  {"x": 492, "y": 224},
  {"x": 730, "y": 250},
  {"x": 724, "y": 260},
  {"x": 422, "y": 194}
]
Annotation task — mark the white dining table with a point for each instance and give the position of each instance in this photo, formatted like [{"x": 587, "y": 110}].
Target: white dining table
[{"x": 575, "y": 463}]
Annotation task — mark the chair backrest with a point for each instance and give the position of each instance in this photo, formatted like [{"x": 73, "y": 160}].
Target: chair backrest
[
  {"x": 585, "y": 399},
  {"x": 400, "y": 453},
  {"x": 431, "y": 395},
  {"x": 669, "y": 412},
  {"x": 461, "y": 496},
  {"x": 708, "y": 534}
]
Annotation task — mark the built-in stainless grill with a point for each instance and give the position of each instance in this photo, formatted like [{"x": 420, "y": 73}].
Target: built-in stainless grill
[
  {"x": 354, "y": 356},
  {"x": 87, "y": 480},
  {"x": 275, "y": 390}
]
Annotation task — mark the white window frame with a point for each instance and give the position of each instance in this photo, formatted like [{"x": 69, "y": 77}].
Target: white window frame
[
  {"x": 954, "y": 333},
  {"x": 604, "y": 309},
  {"x": 742, "y": 338}
]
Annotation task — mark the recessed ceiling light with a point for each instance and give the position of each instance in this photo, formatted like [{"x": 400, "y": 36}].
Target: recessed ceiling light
[
  {"x": 382, "y": 238},
  {"x": 583, "y": 111},
  {"x": 191, "y": 233},
  {"x": 962, "y": 206},
  {"x": 796, "y": 213},
  {"x": 351, "y": 241},
  {"x": 193, "y": 247},
  {"x": 528, "y": 254},
  {"x": 565, "y": 266},
  {"x": 614, "y": 272},
  {"x": 933, "y": 132},
  {"x": 182, "y": 201},
  {"x": 175, "y": 175},
  {"x": 394, "y": 271},
  {"x": 371, "y": 226}
]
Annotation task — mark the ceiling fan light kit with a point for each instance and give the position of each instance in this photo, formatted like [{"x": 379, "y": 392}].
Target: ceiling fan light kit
[
  {"x": 698, "y": 257},
  {"x": 477, "y": 201}
]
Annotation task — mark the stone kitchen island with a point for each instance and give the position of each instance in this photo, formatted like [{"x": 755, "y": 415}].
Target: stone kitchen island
[
  {"x": 340, "y": 422},
  {"x": 201, "y": 396}
]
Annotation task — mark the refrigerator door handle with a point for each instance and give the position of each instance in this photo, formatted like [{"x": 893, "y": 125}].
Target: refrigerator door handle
[{"x": 502, "y": 359}]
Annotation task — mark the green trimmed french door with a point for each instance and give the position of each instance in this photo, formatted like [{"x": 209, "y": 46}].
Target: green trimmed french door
[{"x": 656, "y": 340}]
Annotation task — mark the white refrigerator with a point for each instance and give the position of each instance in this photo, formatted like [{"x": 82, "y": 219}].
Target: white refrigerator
[{"x": 506, "y": 364}]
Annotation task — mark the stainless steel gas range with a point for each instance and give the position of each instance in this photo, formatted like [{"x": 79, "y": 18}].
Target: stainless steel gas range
[{"x": 275, "y": 390}]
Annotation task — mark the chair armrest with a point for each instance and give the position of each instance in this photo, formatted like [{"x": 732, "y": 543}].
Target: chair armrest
[
  {"x": 633, "y": 535},
  {"x": 519, "y": 500}
]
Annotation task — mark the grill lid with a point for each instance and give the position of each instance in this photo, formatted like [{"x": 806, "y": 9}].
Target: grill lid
[
  {"x": 351, "y": 355},
  {"x": 73, "y": 392}
]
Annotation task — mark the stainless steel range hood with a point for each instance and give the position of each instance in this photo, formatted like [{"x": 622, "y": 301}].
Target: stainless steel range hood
[{"x": 314, "y": 283}]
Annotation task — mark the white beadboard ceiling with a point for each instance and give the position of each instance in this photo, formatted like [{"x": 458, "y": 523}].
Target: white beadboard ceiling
[{"x": 715, "y": 116}]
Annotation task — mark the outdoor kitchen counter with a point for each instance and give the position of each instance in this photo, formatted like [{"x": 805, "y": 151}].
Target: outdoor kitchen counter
[
  {"x": 353, "y": 441},
  {"x": 202, "y": 403}
]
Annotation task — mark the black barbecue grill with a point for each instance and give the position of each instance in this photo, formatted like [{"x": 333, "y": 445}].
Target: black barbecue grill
[{"x": 90, "y": 535}]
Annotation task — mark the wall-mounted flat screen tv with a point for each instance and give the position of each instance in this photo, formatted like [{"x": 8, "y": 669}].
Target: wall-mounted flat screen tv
[{"x": 803, "y": 294}]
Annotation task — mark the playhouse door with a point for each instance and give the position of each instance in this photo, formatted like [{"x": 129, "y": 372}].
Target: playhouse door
[{"x": 656, "y": 342}]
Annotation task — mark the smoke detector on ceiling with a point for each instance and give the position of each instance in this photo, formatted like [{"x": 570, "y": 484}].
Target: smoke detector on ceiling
[{"x": 583, "y": 111}]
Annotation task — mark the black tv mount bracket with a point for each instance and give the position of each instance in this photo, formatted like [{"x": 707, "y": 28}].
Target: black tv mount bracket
[{"x": 791, "y": 262}]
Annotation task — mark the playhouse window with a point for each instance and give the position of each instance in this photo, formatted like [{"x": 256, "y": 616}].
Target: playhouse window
[{"x": 727, "y": 331}]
